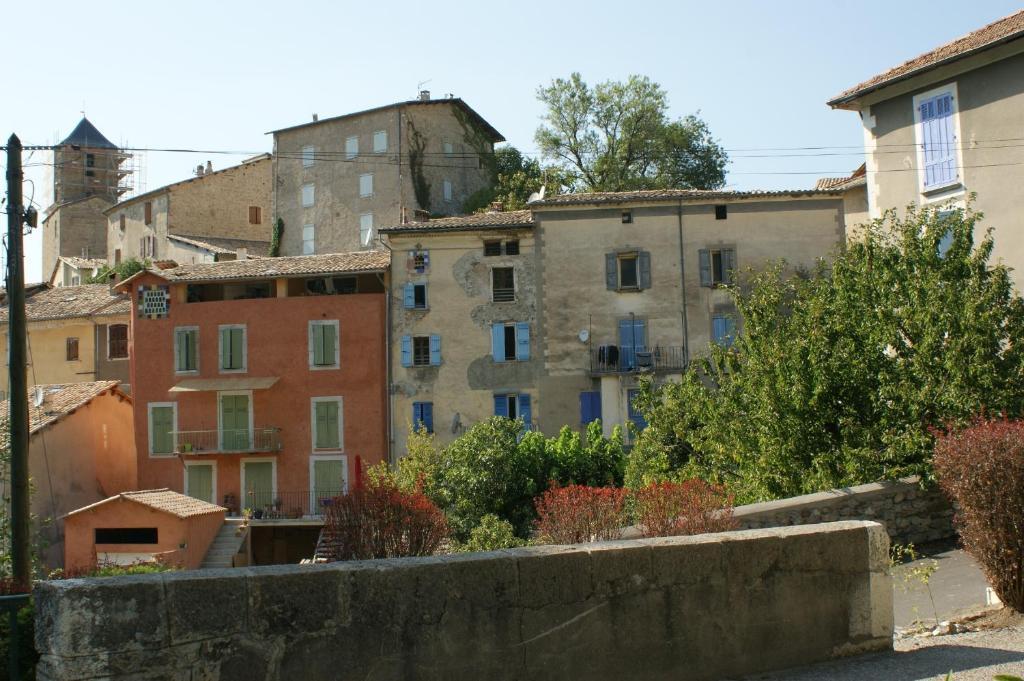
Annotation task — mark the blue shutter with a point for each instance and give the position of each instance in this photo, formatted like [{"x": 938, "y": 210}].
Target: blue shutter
[
  {"x": 723, "y": 330},
  {"x": 417, "y": 415},
  {"x": 501, "y": 405},
  {"x": 428, "y": 415},
  {"x": 938, "y": 140},
  {"x": 498, "y": 342},
  {"x": 704, "y": 256},
  {"x": 611, "y": 271},
  {"x": 407, "y": 351},
  {"x": 634, "y": 414},
  {"x": 524, "y": 411},
  {"x": 522, "y": 341},
  {"x": 644, "y": 265},
  {"x": 590, "y": 406},
  {"x": 409, "y": 296},
  {"x": 435, "y": 350}
]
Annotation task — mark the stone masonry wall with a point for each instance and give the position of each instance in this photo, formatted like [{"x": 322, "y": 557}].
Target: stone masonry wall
[
  {"x": 685, "y": 608},
  {"x": 910, "y": 514}
]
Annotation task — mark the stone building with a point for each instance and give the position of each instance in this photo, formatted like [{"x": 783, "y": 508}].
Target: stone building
[
  {"x": 337, "y": 179},
  {"x": 205, "y": 218}
]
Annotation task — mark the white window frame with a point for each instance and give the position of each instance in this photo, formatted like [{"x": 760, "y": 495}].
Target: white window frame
[
  {"x": 376, "y": 134},
  {"x": 184, "y": 485},
  {"x": 312, "y": 475},
  {"x": 189, "y": 372},
  {"x": 366, "y": 240},
  {"x": 308, "y": 156},
  {"x": 241, "y": 476},
  {"x": 149, "y": 428},
  {"x": 220, "y": 418},
  {"x": 245, "y": 348},
  {"x": 308, "y": 245},
  {"x": 312, "y": 194},
  {"x": 362, "y": 194},
  {"x": 447, "y": 189},
  {"x": 349, "y": 153},
  {"x": 313, "y": 401},
  {"x": 337, "y": 343},
  {"x": 943, "y": 192}
]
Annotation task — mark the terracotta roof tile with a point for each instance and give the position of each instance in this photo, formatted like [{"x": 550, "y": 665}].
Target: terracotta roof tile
[
  {"x": 223, "y": 246},
  {"x": 854, "y": 179},
  {"x": 79, "y": 263},
  {"x": 291, "y": 266},
  {"x": 68, "y": 302},
  {"x": 59, "y": 400},
  {"x": 497, "y": 220},
  {"x": 670, "y": 195},
  {"x": 164, "y": 500},
  {"x": 1007, "y": 28}
]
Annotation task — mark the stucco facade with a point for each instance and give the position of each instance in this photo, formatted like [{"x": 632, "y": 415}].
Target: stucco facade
[
  {"x": 337, "y": 180},
  {"x": 75, "y": 229}
]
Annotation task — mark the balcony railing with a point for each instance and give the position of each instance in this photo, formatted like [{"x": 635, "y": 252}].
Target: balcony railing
[
  {"x": 263, "y": 504},
  {"x": 265, "y": 439},
  {"x": 613, "y": 359}
]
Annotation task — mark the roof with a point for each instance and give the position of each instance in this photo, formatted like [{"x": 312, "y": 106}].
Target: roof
[
  {"x": 496, "y": 220},
  {"x": 85, "y": 134},
  {"x": 457, "y": 101},
  {"x": 857, "y": 178},
  {"x": 997, "y": 33},
  {"x": 223, "y": 246},
  {"x": 163, "y": 500},
  {"x": 80, "y": 263},
  {"x": 59, "y": 400},
  {"x": 266, "y": 268},
  {"x": 655, "y": 195},
  {"x": 69, "y": 302}
]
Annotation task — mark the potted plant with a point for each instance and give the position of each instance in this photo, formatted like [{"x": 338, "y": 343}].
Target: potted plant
[{"x": 247, "y": 513}]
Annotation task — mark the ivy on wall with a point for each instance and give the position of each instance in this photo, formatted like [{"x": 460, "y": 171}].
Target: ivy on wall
[
  {"x": 417, "y": 147},
  {"x": 477, "y": 140},
  {"x": 275, "y": 239}
]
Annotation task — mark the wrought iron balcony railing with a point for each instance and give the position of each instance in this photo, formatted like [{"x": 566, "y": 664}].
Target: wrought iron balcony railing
[
  {"x": 263, "y": 504},
  {"x": 224, "y": 441},
  {"x": 613, "y": 359}
]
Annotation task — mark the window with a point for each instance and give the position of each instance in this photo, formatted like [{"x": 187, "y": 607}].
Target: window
[
  {"x": 147, "y": 246},
  {"x": 380, "y": 141},
  {"x": 254, "y": 215},
  {"x": 449, "y": 148},
  {"x": 635, "y": 415},
  {"x": 503, "y": 285},
  {"x": 121, "y": 221},
  {"x": 308, "y": 156},
  {"x": 351, "y": 147},
  {"x": 946, "y": 240},
  {"x": 414, "y": 296},
  {"x": 117, "y": 341},
  {"x": 514, "y": 406},
  {"x": 235, "y": 421},
  {"x": 163, "y": 417},
  {"x": 366, "y": 185},
  {"x": 717, "y": 266},
  {"x": 627, "y": 217},
  {"x": 721, "y": 212},
  {"x": 366, "y": 229},
  {"x": 308, "y": 239},
  {"x": 232, "y": 348},
  {"x": 329, "y": 478},
  {"x": 327, "y": 423},
  {"x": 628, "y": 271},
  {"x": 421, "y": 351},
  {"x": 308, "y": 195},
  {"x": 447, "y": 190},
  {"x": 723, "y": 330},
  {"x": 90, "y": 163},
  {"x": 201, "y": 481},
  {"x": 492, "y": 248},
  {"x": 71, "y": 349},
  {"x": 126, "y": 535},
  {"x": 420, "y": 261},
  {"x": 324, "y": 350},
  {"x": 512, "y": 247},
  {"x": 186, "y": 349},
  {"x": 423, "y": 416},
  {"x": 935, "y": 126},
  {"x": 510, "y": 341},
  {"x": 590, "y": 406},
  {"x": 148, "y": 208}
]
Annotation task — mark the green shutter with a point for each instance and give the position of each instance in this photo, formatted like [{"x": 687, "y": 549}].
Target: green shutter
[
  {"x": 237, "y": 336},
  {"x": 163, "y": 426},
  {"x": 225, "y": 348},
  {"x": 327, "y": 425},
  {"x": 200, "y": 482},
  {"x": 234, "y": 422},
  {"x": 323, "y": 340},
  {"x": 328, "y": 478},
  {"x": 330, "y": 339}
]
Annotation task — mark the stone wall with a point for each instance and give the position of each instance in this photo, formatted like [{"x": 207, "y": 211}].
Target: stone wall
[
  {"x": 686, "y": 608},
  {"x": 910, "y": 514}
]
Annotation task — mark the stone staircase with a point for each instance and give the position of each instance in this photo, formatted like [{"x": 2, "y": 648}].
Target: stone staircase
[{"x": 226, "y": 544}]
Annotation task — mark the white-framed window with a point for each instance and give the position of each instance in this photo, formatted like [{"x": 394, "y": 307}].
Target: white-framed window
[
  {"x": 324, "y": 344},
  {"x": 447, "y": 190},
  {"x": 201, "y": 480},
  {"x": 232, "y": 350},
  {"x": 308, "y": 156},
  {"x": 380, "y": 141},
  {"x": 937, "y": 133},
  {"x": 234, "y": 420},
  {"x": 366, "y": 184},
  {"x": 259, "y": 483},
  {"x": 186, "y": 349},
  {"x": 163, "y": 423},
  {"x": 365, "y": 229},
  {"x": 308, "y": 239},
  {"x": 327, "y": 423},
  {"x": 351, "y": 147},
  {"x": 449, "y": 148},
  {"x": 328, "y": 478},
  {"x": 308, "y": 195}
]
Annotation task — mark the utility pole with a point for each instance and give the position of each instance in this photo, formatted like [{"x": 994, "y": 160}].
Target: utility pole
[{"x": 18, "y": 385}]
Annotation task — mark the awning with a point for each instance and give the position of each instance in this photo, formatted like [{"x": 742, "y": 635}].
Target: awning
[{"x": 191, "y": 385}]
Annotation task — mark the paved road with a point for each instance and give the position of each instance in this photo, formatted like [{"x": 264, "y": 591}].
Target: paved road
[{"x": 958, "y": 587}]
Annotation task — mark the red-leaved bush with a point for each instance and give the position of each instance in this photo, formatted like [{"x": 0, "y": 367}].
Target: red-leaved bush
[
  {"x": 576, "y": 513},
  {"x": 981, "y": 468},
  {"x": 668, "y": 509},
  {"x": 379, "y": 520}
]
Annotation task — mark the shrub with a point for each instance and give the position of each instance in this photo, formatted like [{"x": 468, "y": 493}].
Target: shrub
[
  {"x": 981, "y": 468},
  {"x": 491, "y": 534},
  {"x": 668, "y": 509},
  {"x": 379, "y": 520},
  {"x": 576, "y": 513}
]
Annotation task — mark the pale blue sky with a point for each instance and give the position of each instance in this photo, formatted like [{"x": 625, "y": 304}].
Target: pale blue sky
[{"x": 218, "y": 75}]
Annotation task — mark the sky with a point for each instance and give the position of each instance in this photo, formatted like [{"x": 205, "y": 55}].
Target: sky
[{"x": 217, "y": 76}]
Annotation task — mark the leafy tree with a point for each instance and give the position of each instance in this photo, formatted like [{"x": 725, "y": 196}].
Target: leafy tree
[
  {"x": 123, "y": 270},
  {"x": 841, "y": 375},
  {"x": 617, "y": 136},
  {"x": 515, "y": 179}
]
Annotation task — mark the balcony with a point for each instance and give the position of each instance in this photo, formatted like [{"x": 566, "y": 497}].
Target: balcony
[
  {"x": 264, "y": 439},
  {"x": 612, "y": 359},
  {"x": 264, "y": 505}
]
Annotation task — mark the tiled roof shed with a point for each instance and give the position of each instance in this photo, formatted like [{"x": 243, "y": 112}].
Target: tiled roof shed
[
  {"x": 496, "y": 220},
  {"x": 164, "y": 500}
]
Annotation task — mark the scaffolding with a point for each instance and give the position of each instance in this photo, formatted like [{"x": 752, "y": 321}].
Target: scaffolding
[{"x": 95, "y": 171}]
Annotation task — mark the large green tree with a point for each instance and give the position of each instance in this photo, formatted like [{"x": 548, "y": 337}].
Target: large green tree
[
  {"x": 515, "y": 178},
  {"x": 842, "y": 375},
  {"x": 617, "y": 136}
]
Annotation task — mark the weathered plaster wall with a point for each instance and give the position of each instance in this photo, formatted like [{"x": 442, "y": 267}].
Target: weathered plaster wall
[
  {"x": 73, "y": 230},
  {"x": 134, "y": 212},
  {"x": 686, "y": 608}
]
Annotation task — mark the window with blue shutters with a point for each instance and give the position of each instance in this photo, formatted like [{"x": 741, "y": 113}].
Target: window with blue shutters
[
  {"x": 723, "y": 329},
  {"x": 635, "y": 415},
  {"x": 513, "y": 406},
  {"x": 423, "y": 416},
  {"x": 414, "y": 296},
  {"x": 406, "y": 351},
  {"x": 510, "y": 341},
  {"x": 937, "y": 140},
  {"x": 590, "y": 406},
  {"x": 435, "y": 350}
]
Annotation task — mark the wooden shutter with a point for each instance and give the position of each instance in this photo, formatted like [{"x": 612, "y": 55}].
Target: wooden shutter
[
  {"x": 225, "y": 348},
  {"x": 524, "y": 411},
  {"x": 407, "y": 351},
  {"x": 331, "y": 352},
  {"x": 729, "y": 264},
  {"x": 590, "y": 406},
  {"x": 409, "y": 296},
  {"x": 704, "y": 256},
  {"x": 611, "y": 271},
  {"x": 644, "y": 265},
  {"x": 498, "y": 342},
  {"x": 428, "y": 415},
  {"x": 522, "y": 341},
  {"x": 435, "y": 350},
  {"x": 236, "y": 337},
  {"x": 501, "y": 405},
  {"x": 939, "y": 140},
  {"x": 328, "y": 430},
  {"x": 163, "y": 426},
  {"x": 182, "y": 354}
]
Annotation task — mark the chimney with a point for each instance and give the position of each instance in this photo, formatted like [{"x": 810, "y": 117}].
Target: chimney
[
  {"x": 241, "y": 254},
  {"x": 316, "y": 118},
  {"x": 199, "y": 171},
  {"x": 420, "y": 215},
  {"x": 496, "y": 207},
  {"x": 209, "y": 167},
  {"x": 424, "y": 95}
]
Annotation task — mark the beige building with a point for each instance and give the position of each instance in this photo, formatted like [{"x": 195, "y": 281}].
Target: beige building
[
  {"x": 337, "y": 179},
  {"x": 203, "y": 219},
  {"x": 76, "y": 334},
  {"x": 71, "y": 271},
  {"x": 947, "y": 124},
  {"x": 463, "y": 322}
]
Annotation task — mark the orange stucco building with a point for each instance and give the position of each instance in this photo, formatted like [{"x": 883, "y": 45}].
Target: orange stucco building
[{"x": 260, "y": 384}]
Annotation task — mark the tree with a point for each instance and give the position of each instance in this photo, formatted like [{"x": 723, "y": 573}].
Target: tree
[
  {"x": 123, "y": 270},
  {"x": 515, "y": 179},
  {"x": 617, "y": 136},
  {"x": 840, "y": 376}
]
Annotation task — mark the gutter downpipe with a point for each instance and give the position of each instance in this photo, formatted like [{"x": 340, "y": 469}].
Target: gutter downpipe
[
  {"x": 387, "y": 357},
  {"x": 682, "y": 282}
]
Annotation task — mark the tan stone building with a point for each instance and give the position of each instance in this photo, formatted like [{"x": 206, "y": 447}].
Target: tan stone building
[
  {"x": 337, "y": 179},
  {"x": 946, "y": 124},
  {"x": 203, "y": 219},
  {"x": 72, "y": 271},
  {"x": 463, "y": 322}
]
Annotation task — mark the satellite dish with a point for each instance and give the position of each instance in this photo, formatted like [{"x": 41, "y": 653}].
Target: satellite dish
[{"x": 584, "y": 335}]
